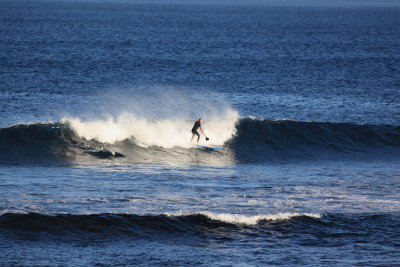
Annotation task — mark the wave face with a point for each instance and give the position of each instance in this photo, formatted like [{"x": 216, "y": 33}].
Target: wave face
[
  {"x": 37, "y": 142},
  {"x": 312, "y": 229},
  {"x": 287, "y": 138},
  {"x": 246, "y": 140}
]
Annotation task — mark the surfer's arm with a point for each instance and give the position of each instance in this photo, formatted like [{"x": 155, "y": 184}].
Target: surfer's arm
[
  {"x": 202, "y": 131},
  {"x": 204, "y": 134}
]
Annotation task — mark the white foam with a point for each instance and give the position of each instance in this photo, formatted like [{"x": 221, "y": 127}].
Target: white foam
[{"x": 165, "y": 133}]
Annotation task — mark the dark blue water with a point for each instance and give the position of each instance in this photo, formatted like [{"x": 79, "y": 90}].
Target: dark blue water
[{"x": 97, "y": 101}]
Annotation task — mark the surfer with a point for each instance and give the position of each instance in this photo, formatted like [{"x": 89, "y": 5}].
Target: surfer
[{"x": 196, "y": 126}]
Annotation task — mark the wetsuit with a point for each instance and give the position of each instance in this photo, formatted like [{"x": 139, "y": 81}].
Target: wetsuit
[{"x": 196, "y": 126}]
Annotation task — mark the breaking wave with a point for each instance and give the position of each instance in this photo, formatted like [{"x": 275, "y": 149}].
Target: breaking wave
[{"x": 244, "y": 139}]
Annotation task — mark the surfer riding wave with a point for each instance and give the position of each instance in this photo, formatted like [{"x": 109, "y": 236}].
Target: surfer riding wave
[{"x": 196, "y": 126}]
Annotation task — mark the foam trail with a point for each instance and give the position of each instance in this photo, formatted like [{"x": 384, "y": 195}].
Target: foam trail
[{"x": 165, "y": 133}]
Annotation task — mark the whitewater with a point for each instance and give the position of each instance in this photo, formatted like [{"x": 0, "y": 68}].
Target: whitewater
[{"x": 165, "y": 133}]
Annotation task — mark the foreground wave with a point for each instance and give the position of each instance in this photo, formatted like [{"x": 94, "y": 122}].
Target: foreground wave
[
  {"x": 253, "y": 141},
  {"x": 310, "y": 228}
]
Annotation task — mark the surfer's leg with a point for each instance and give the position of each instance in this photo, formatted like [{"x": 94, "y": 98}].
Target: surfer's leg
[{"x": 194, "y": 134}]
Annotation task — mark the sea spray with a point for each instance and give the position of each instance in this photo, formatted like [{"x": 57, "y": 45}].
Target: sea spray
[{"x": 157, "y": 116}]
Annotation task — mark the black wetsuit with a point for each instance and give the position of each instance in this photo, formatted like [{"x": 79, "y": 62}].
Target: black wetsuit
[{"x": 196, "y": 126}]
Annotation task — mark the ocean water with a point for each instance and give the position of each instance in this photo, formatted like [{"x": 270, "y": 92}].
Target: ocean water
[{"x": 97, "y": 101}]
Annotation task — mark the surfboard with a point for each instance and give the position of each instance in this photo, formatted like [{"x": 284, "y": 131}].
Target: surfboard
[{"x": 209, "y": 147}]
